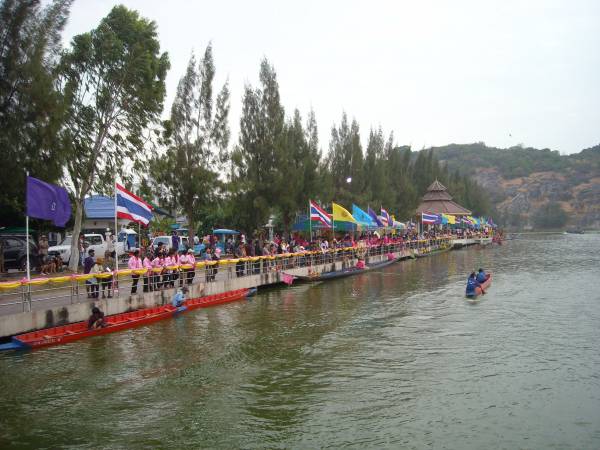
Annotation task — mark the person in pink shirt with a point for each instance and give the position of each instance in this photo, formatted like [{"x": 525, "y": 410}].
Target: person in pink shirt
[
  {"x": 135, "y": 263},
  {"x": 157, "y": 263},
  {"x": 147, "y": 264},
  {"x": 190, "y": 259},
  {"x": 171, "y": 260}
]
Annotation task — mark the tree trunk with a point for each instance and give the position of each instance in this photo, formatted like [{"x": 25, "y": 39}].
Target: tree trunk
[
  {"x": 74, "y": 261},
  {"x": 191, "y": 229}
]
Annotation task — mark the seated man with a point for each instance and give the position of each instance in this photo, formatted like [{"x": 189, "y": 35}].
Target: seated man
[
  {"x": 96, "y": 320},
  {"x": 58, "y": 263},
  {"x": 481, "y": 276},
  {"x": 179, "y": 297},
  {"x": 473, "y": 284}
]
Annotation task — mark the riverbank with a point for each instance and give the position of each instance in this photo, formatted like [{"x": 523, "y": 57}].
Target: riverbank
[{"x": 269, "y": 273}]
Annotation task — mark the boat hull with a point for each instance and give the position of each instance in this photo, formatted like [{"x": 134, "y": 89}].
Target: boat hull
[
  {"x": 332, "y": 275},
  {"x": 117, "y": 322}
]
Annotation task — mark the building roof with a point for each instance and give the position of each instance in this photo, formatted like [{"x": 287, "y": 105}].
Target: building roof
[
  {"x": 99, "y": 207},
  {"x": 437, "y": 200},
  {"x": 103, "y": 207},
  {"x": 437, "y": 191}
]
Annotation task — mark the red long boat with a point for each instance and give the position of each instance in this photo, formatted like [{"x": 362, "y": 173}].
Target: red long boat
[
  {"x": 484, "y": 286},
  {"x": 117, "y": 322}
]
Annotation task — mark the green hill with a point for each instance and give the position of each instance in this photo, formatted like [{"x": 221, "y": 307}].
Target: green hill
[{"x": 531, "y": 187}]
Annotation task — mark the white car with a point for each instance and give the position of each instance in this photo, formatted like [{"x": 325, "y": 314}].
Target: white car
[
  {"x": 93, "y": 241},
  {"x": 166, "y": 241}
]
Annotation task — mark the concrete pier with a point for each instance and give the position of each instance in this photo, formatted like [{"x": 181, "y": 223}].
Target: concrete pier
[{"x": 52, "y": 316}]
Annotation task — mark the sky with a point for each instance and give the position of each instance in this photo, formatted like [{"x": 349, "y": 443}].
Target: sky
[{"x": 432, "y": 72}]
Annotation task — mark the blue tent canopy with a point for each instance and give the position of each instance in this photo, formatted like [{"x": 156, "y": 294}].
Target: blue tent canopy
[{"x": 225, "y": 231}]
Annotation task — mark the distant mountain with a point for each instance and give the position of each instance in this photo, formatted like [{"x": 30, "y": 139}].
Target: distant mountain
[{"x": 529, "y": 187}]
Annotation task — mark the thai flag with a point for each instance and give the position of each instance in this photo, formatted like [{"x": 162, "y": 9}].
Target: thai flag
[
  {"x": 130, "y": 206},
  {"x": 430, "y": 218},
  {"x": 387, "y": 220},
  {"x": 318, "y": 213}
]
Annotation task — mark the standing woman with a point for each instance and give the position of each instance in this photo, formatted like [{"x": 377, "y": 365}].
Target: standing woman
[
  {"x": 157, "y": 268},
  {"x": 135, "y": 263},
  {"x": 148, "y": 276},
  {"x": 191, "y": 273},
  {"x": 208, "y": 268},
  {"x": 42, "y": 252}
]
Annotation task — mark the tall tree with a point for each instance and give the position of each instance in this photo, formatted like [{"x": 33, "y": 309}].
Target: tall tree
[
  {"x": 261, "y": 144},
  {"x": 189, "y": 171},
  {"x": 30, "y": 106},
  {"x": 297, "y": 165},
  {"x": 113, "y": 78}
]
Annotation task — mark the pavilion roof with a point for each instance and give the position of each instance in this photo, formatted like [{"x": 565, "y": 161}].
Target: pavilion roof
[{"x": 437, "y": 200}]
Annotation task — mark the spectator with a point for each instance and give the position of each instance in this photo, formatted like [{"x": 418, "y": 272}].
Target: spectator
[
  {"x": 135, "y": 263},
  {"x": 175, "y": 240},
  {"x": 43, "y": 252},
  {"x": 88, "y": 263}
]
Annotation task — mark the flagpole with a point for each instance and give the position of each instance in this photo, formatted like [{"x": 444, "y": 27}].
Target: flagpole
[
  {"x": 116, "y": 234},
  {"x": 309, "y": 222},
  {"x": 332, "y": 224},
  {"x": 27, "y": 232}
]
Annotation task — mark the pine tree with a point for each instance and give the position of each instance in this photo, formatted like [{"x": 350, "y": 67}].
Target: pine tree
[
  {"x": 189, "y": 171},
  {"x": 256, "y": 160}
]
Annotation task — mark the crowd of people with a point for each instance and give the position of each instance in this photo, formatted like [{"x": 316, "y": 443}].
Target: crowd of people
[{"x": 173, "y": 265}]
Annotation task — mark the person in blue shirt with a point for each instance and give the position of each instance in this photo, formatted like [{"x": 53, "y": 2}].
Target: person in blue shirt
[
  {"x": 179, "y": 297},
  {"x": 473, "y": 284},
  {"x": 175, "y": 240},
  {"x": 481, "y": 276}
]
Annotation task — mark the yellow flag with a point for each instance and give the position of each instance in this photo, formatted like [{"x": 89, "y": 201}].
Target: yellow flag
[
  {"x": 341, "y": 214},
  {"x": 451, "y": 219}
]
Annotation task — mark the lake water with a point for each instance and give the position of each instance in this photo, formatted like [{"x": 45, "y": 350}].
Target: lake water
[{"x": 392, "y": 359}]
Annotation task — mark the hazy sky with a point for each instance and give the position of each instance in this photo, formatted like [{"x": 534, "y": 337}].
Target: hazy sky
[{"x": 433, "y": 72}]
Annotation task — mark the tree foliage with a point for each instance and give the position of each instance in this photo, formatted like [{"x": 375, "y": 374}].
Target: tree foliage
[
  {"x": 257, "y": 161},
  {"x": 31, "y": 109},
  {"x": 189, "y": 171},
  {"x": 113, "y": 80}
]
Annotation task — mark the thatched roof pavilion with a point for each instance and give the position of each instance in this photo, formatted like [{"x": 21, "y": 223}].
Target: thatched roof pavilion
[{"x": 437, "y": 201}]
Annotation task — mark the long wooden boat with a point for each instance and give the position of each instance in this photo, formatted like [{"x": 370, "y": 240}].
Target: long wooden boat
[
  {"x": 382, "y": 264},
  {"x": 331, "y": 275},
  {"x": 117, "y": 322},
  {"x": 487, "y": 283},
  {"x": 437, "y": 251},
  {"x": 345, "y": 272}
]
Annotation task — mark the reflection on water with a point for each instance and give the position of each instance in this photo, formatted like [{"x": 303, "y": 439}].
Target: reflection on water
[{"x": 393, "y": 358}]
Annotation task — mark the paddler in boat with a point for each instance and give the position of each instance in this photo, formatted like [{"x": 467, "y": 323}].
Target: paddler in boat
[
  {"x": 179, "y": 297},
  {"x": 481, "y": 276},
  {"x": 473, "y": 284},
  {"x": 96, "y": 320}
]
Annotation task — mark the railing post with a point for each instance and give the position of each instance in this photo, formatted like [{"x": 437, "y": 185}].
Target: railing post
[
  {"x": 29, "y": 296},
  {"x": 23, "y": 297}
]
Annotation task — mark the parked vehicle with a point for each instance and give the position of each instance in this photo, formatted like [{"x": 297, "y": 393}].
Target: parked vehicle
[
  {"x": 15, "y": 253},
  {"x": 166, "y": 241},
  {"x": 91, "y": 241}
]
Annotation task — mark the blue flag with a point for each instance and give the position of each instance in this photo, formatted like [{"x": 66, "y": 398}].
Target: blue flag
[
  {"x": 374, "y": 217},
  {"x": 48, "y": 201},
  {"x": 362, "y": 216}
]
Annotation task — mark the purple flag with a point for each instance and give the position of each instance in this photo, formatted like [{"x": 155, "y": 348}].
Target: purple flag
[
  {"x": 374, "y": 217},
  {"x": 48, "y": 201}
]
